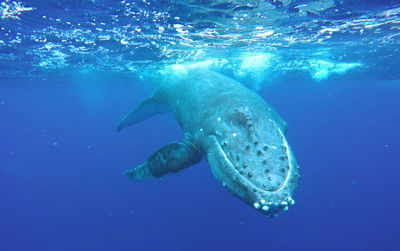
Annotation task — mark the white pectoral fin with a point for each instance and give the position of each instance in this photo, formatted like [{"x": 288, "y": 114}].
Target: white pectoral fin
[
  {"x": 219, "y": 163},
  {"x": 171, "y": 158},
  {"x": 224, "y": 171},
  {"x": 151, "y": 106}
]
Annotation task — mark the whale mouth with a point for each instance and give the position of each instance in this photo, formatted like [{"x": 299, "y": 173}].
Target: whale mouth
[
  {"x": 268, "y": 202},
  {"x": 266, "y": 165},
  {"x": 251, "y": 183},
  {"x": 268, "y": 193},
  {"x": 272, "y": 201},
  {"x": 288, "y": 156}
]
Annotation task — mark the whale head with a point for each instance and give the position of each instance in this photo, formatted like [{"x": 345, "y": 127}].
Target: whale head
[{"x": 248, "y": 153}]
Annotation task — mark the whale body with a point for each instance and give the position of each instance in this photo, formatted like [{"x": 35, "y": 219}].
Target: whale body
[{"x": 239, "y": 134}]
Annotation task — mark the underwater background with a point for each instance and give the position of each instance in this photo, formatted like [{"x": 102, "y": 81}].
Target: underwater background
[{"x": 71, "y": 69}]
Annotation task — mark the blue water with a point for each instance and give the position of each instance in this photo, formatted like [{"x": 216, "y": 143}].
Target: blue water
[{"x": 70, "y": 70}]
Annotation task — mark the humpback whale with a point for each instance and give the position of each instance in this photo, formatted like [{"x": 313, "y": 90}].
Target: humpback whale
[{"x": 239, "y": 134}]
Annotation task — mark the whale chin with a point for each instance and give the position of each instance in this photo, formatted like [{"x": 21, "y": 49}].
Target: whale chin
[{"x": 267, "y": 201}]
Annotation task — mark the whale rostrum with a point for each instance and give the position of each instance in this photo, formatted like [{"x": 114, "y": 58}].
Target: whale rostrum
[{"x": 240, "y": 135}]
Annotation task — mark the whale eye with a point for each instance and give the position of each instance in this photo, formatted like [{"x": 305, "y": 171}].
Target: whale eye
[{"x": 266, "y": 148}]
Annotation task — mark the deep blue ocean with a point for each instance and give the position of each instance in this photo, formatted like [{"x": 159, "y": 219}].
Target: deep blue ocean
[{"x": 71, "y": 69}]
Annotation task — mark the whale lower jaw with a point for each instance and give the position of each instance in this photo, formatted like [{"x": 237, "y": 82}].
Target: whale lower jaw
[
  {"x": 270, "y": 202},
  {"x": 266, "y": 201}
]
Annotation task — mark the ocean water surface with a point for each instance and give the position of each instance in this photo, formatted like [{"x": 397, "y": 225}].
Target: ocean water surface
[{"x": 71, "y": 69}]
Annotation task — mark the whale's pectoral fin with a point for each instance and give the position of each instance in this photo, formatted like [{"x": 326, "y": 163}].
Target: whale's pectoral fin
[
  {"x": 169, "y": 159},
  {"x": 151, "y": 106},
  {"x": 224, "y": 171}
]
